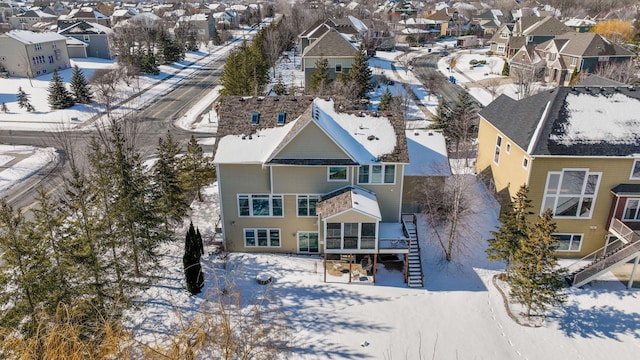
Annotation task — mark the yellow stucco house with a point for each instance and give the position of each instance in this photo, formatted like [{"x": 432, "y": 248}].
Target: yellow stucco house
[
  {"x": 578, "y": 151},
  {"x": 298, "y": 176}
]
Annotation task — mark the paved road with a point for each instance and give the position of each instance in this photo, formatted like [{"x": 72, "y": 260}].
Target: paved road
[
  {"x": 154, "y": 121},
  {"x": 427, "y": 64}
]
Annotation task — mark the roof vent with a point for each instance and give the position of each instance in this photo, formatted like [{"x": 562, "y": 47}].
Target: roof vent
[
  {"x": 294, "y": 99},
  {"x": 416, "y": 133},
  {"x": 244, "y": 137},
  {"x": 430, "y": 133},
  {"x": 327, "y": 99},
  {"x": 260, "y": 98},
  {"x": 241, "y": 99},
  {"x": 631, "y": 88},
  {"x": 371, "y": 137},
  {"x": 375, "y": 114},
  {"x": 573, "y": 88},
  {"x": 276, "y": 99},
  {"x": 587, "y": 89}
]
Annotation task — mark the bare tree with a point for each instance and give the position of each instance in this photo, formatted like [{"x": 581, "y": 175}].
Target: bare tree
[
  {"x": 524, "y": 79},
  {"x": 105, "y": 83},
  {"x": 624, "y": 72},
  {"x": 447, "y": 208},
  {"x": 272, "y": 46},
  {"x": 433, "y": 81},
  {"x": 492, "y": 85}
]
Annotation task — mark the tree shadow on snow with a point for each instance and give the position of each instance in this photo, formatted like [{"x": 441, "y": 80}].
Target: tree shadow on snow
[{"x": 597, "y": 322}]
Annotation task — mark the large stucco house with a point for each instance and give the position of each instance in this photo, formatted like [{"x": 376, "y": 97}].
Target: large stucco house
[
  {"x": 25, "y": 53},
  {"x": 578, "y": 151},
  {"x": 296, "y": 175}
]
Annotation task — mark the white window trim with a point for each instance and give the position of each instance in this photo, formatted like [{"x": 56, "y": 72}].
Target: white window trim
[
  {"x": 635, "y": 162},
  {"x": 525, "y": 162},
  {"x": 582, "y": 195},
  {"x": 384, "y": 166},
  {"x": 571, "y": 242},
  {"x": 297, "y": 204},
  {"x": 337, "y": 180},
  {"x": 250, "y": 197},
  {"x": 359, "y": 246},
  {"x": 499, "y": 148},
  {"x": 507, "y": 148},
  {"x": 625, "y": 210},
  {"x": 298, "y": 240},
  {"x": 255, "y": 230}
]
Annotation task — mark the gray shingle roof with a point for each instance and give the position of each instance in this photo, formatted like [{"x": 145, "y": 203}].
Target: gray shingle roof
[
  {"x": 518, "y": 120},
  {"x": 626, "y": 189},
  {"x": 331, "y": 43},
  {"x": 591, "y": 45}
]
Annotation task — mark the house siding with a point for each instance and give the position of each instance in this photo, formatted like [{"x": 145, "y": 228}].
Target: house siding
[
  {"x": 311, "y": 143},
  {"x": 614, "y": 172},
  {"x": 18, "y": 57}
]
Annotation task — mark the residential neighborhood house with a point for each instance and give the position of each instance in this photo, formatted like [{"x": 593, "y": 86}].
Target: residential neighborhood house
[{"x": 28, "y": 54}]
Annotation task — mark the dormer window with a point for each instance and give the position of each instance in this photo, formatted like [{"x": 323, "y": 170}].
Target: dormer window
[
  {"x": 282, "y": 117},
  {"x": 255, "y": 118}
]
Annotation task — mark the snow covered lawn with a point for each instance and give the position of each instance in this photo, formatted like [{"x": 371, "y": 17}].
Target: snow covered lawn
[{"x": 458, "y": 315}]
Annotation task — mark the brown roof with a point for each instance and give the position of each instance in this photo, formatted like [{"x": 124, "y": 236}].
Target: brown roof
[
  {"x": 591, "y": 45},
  {"x": 331, "y": 43}
]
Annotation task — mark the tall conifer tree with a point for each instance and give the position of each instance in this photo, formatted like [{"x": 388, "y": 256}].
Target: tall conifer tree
[{"x": 59, "y": 96}]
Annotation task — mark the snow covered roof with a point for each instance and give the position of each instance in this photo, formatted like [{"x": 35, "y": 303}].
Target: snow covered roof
[
  {"x": 84, "y": 27},
  {"x": 427, "y": 154},
  {"x": 359, "y": 25},
  {"x": 364, "y": 138},
  {"x": 346, "y": 199},
  {"x": 571, "y": 121},
  {"x": 30, "y": 37}
]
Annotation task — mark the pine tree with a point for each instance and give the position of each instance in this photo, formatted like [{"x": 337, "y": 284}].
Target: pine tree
[
  {"x": 170, "y": 195},
  {"x": 59, "y": 96},
  {"x": 385, "y": 100},
  {"x": 196, "y": 170},
  {"x": 80, "y": 87},
  {"x": 148, "y": 64},
  {"x": 191, "y": 261},
  {"x": 513, "y": 229},
  {"x": 505, "y": 69},
  {"x": 24, "y": 272},
  {"x": 360, "y": 73},
  {"x": 23, "y": 100},
  {"x": 319, "y": 81},
  {"x": 280, "y": 88},
  {"x": 4, "y": 108},
  {"x": 246, "y": 72},
  {"x": 536, "y": 280}
]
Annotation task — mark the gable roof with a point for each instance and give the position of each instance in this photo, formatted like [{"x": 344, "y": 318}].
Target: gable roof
[
  {"x": 349, "y": 198},
  {"x": 365, "y": 138},
  {"x": 30, "y": 37},
  {"x": 590, "y": 45},
  {"x": 331, "y": 43},
  {"x": 571, "y": 121},
  {"x": 86, "y": 28},
  {"x": 547, "y": 26}
]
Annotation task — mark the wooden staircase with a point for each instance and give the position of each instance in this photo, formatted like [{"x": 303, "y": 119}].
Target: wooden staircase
[
  {"x": 627, "y": 247},
  {"x": 415, "y": 277}
]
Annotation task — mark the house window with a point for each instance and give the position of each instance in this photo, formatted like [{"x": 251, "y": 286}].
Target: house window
[
  {"x": 525, "y": 163},
  {"x": 334, "y": 235},
  {"x": 377, "y": 174},
  {"x": 368, "y": 236},
  {"x": 50, "y": 59},
  {"x": 351, "y": 235},
  {"x": 54, "y": 45},
  {"x": 262, "y": 237},
  {"x": 255, "y": 118},
  {"x": 282, "y": 116},
  {"x": 496, "y": 155},
  {"x": 635, "y": 170},
  {"x": 501, "y": 48},
  {"x": 307, "y": 205},
  {"x": 337, "y": 173},
  {"x": 574, "y": 61},
  {"x": 568, "y": 242},
  {"x": 631, "y": 210},
  {"x": 552, "y": 56},
  {"x": 338, "y": 68},
  {"x": 260, "y": 205},
  {"x": 308, "y": 242},
  {"x": 508, "y": 148},
  {"x": 38, "y": 47},
  {"x": 504, "y": 35},
  {"x": 86, "y": 38},
  {"x": 571, "y": 192}
]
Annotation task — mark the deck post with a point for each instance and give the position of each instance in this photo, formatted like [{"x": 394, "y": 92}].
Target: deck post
[
  {"x": 633, "y": 272},
  {"x": 375, "y": 262},
  {"x": 350, "y": 266},
  {"x": 325, "y": 267},
  {"x": 406, "y": 268}
]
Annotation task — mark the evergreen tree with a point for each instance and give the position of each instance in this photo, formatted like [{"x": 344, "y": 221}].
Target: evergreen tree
[
  {"x": 280, "y": 88},
  {"x": 360, "y": 73},
  {"x": 196, "y": 170},
  {"x": 170, "y": 195},
  {"x": 385, "y": 100},
  {"x": 148, "y": 64},
  {"x": 23, "y": 100},
  {"x": 24, "y": 271},
  {"x": 536, "y": 280},
  {"x": 191, "y": 261},
  {"x": 505, "y": 69},
  {"x": 319, "y": 81},
  {"x": 4, "y": 108},
  {"x": 245, "y": 72},
  {"x": 59, "y": 96},
  {"x": 80, "y": 87},
  {"x": 513, "y": 229}
]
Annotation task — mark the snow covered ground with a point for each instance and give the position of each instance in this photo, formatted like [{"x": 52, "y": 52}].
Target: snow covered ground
[{"x": 459, "y": 314}]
